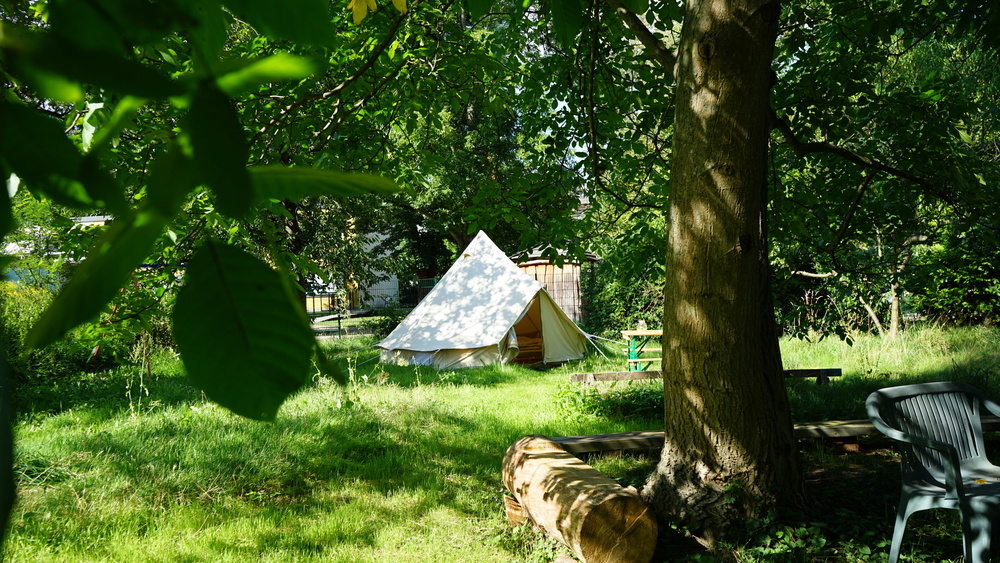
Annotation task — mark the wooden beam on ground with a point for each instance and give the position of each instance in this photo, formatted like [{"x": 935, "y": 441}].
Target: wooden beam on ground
[
  {"x": 590, "y": 513},
  {"x": 610, "y": 442},
  {"x": 822, "y": 375},
  {"x": 654, "y": 438},
  {"x": 614, "y": 376},
  {"x": 833, "y": 429}
]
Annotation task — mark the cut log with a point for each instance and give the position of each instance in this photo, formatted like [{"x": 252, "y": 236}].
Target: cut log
[{"x": 585, "y": 510}]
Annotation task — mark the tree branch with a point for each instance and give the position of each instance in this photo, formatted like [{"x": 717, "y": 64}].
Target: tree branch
[
  {"x": 656, "y": 49},
  {"x": 336, "y": 90},
  {"x": 803, "y": 273},
  {"x": 336, "y": 118},
  {"x": 802, "y": 149},
  {"x": 851, "y": 211}
]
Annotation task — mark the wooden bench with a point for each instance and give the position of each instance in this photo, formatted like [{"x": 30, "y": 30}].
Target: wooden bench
[
  {"x": 822, "y": 375},
  {"x": 654, "y": 438}
]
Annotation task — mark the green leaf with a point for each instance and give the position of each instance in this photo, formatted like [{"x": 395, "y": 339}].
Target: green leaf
[
  {"x": 280, "y": 66},
  {"x": 171, "y": 178},
  {"x": 243, "y": 339},
  {"x": 479, "y": 8},
  {"x": 68, "y": 18},
  {"x": 109, "y": 25},
  {"x": 280, "y": 182},
  {"x": 100, "y": 68},
  {"x": 101, "y": 185},
  {"x": 301, "y": 21},
  {"x": 567, "y": 20},
  {"x": 107, "y": 268},
  {"x": 220, "y": 149},
  {"x": 637, "y": 6},
  {"x": 48, "y": 85},
  {"x": 36, "y": 149},
  {"x": 120, "y": 118},
  {"x": 89, "y": 125},
  {"x": 210, "y": 34}
]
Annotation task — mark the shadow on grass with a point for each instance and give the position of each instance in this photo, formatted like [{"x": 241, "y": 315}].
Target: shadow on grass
[
  {"x": 854, "y": 496},
  {"x": 344, "y": 473},
  {"x": 411, "y": 376},
  {"x": 324, "y": 475},
  {"x": 110, "y": 391}
]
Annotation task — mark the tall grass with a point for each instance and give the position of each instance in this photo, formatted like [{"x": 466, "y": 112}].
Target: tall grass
[
  {"x": 971, "y": 355},
  {"x": 403, "y": 465}
]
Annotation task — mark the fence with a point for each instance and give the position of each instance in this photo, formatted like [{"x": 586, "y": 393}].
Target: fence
[{"x": 385, "y": 294}]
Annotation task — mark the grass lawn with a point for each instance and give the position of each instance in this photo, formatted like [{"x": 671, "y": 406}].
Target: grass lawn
[{"x": 404, "y": 465}]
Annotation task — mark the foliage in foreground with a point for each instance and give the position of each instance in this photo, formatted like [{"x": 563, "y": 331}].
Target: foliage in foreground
[{"x": 404, "y": 464}]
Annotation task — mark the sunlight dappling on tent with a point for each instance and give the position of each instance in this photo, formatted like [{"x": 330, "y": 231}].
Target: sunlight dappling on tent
[{"x": 484, "y": 311}]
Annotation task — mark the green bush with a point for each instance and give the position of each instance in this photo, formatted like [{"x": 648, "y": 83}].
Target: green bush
[
  {"x": 380, "y": 325},
  {"x": 615, "y": 302},
  {"x": 626, "y": 400},
  {"x": 958, "y": 283},
  {"x": 92, "y": 346},
  {"x": 20, "y": 307}
]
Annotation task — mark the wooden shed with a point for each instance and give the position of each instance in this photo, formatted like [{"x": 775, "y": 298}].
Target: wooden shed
[{"x": 561, "y": 282}]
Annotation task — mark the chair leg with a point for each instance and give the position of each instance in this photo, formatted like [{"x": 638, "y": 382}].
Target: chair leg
[
  {"x": 977, "y": 530},
  {"x": 897, "y": 532}
]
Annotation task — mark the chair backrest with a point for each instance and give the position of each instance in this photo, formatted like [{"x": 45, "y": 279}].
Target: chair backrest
[{"x": 947, "y": 412}]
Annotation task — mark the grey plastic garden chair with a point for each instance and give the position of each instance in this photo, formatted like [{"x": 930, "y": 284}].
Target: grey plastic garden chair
[{"x": 944, "y": 464}]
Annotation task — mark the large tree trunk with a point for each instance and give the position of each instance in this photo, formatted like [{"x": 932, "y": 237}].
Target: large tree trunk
[{"x": 729, "y": 449}]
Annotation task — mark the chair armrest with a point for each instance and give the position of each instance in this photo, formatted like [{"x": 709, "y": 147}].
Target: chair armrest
[{"x": 991, "y": 406}]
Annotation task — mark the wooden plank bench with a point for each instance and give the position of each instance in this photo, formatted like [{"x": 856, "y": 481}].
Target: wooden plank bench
[
  {"x": 822, "y": 375},
  {"x": 654, "y": 438}
]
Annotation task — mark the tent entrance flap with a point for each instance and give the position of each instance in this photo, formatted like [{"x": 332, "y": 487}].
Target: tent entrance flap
[{"x": 529, "y": 335}]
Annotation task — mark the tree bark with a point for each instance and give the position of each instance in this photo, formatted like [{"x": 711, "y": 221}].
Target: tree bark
[
  {"x": 729, "y": 452},
  {"x": 872, "y": 315},
  {"x": 895, "y": 309},
  {"x": 295, "y": 244},
  {"x": 585, "y": 510}
]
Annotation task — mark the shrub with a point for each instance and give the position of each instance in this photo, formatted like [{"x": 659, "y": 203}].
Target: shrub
[
  {"x": 958, "y": 282},
  {"x": 615, "y": 302},
  {"x": 622, "y": 401},
  {"x": 20, "y": 307},
  {"x": 384, "y": 322},
  {"x": 129, "y": 338}
]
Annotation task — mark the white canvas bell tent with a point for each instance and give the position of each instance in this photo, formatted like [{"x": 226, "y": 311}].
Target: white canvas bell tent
[{"x": 484, "y": 311}]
